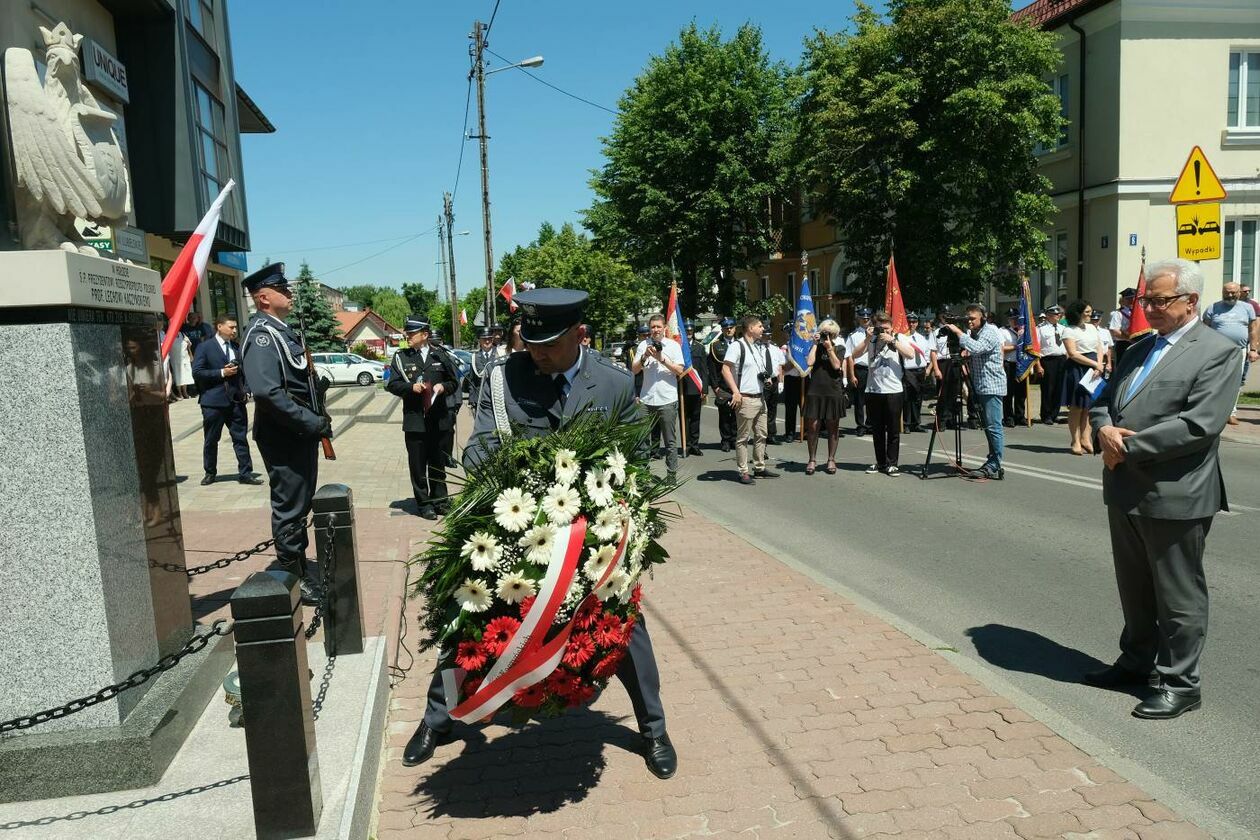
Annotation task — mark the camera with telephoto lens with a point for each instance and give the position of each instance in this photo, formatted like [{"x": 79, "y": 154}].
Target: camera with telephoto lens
[
  {"x": 951, "y": 338},
  {"x": 657, "y": 345}
]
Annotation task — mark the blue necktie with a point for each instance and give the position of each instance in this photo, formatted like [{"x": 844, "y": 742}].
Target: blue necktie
[{"x": 1151, "y": 359}]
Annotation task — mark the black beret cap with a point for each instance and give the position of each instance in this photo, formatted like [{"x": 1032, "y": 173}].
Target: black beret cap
[
  {"x": 267, "y": 276},
  {"x": 547, "y": 314}
]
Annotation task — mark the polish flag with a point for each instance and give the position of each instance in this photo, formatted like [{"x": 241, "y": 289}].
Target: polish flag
[
  {"x": 509, "y": 291},
  {"x": 463, "y": 317},
  {"x": 181, "y": 283}
]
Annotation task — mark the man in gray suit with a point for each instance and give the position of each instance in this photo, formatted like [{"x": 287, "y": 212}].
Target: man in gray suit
[
  {"x": 555, "y": 380},
  {"x": 1158, "y": 426}
]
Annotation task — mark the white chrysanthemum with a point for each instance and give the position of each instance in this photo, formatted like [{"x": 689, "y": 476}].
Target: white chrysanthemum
[
  {"x": 566, "y": 466},
  {"x": 483, "y": 549},
  {"x": 637, "y": 546},
  {"x": 631, "y": 488},
  {"x": 599, "y": 487},
  {"x": 617, "y": 466},
  {"x": 473, "y": 596},
  {"x": 613, "y": 587},
  {"x": 514, "y": 509},
  {"x": 515, "y": 587},
  {"x": 561, "y": 504},
  {"x": 599, "y": 558},
  {"x": 607, "y": 524},
  {"x": 538, "y": 542}
]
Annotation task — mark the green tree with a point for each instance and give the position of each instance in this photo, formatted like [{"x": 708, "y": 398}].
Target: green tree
[
  {"x": 391, "y": 306},
  {"x": 918, "y": 130},
  {"x": 363, "y": 293},
  {"x": 694, "y": 158},
  {"x": 568, "y": 258},
  {"x": 312, "y": 310},
  {"x": 440, "y": 317},
  {"x": 420, "y": 298}
]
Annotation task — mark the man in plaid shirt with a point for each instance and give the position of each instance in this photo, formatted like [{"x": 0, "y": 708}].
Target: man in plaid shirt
[{"x": 988, "y": 381}]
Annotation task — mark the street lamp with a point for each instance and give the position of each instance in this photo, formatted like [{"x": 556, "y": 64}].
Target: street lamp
[{"x": 479, "y": 72}]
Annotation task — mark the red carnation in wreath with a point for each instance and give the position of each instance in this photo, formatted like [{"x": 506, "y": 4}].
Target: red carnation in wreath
[
  {"x": 580, "y": 650},
  {"x": 498, "y": 633},
  {"x": 470, "y": 656},
  {"x": 608, "y": 631},
  {"x": 607, "y": 666},
  {"x": 530, "y": 698},
  {"x": 562, "y": 683},
  {"x": 526, "y": 603},
  {"x": 587, "y": 615},
  {"x": 636, "y": 597},
  {"x": 581, "y": 696}
]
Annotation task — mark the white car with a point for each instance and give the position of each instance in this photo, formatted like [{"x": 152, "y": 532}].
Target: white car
[{"x": 338, "y": 368}]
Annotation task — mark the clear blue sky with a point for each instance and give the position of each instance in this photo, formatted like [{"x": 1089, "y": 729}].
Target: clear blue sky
[{"x": 368, "y": 102}]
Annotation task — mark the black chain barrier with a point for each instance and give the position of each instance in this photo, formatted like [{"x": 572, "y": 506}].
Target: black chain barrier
[
  {"x": 224, "y": 562},
  {"x": 109, "y": 692},
  {"x": 327, "y": 566},
  {"x": 317, "y": 704}
]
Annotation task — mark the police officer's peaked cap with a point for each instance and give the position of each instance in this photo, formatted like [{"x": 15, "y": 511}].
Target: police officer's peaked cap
[
  {"x": 1129, "y": 292},
  {"x": 1097, "y": 316},
  {"x": 1054, "y": 310},
  {"x": 864, "y": 312},
  {"x": 689, "y": 324},
  {"x": 547, "y": 314},
  {"x": 484, "y": 332},
  {"x": 1013, "y": 312},
  {"x": 912, "y": 316},
  {"x": 643, "y": 329},
  {"x": 269, "y": 275},
  {"x": 416, "y": 323},
  {"x": 728, "y": 321}
]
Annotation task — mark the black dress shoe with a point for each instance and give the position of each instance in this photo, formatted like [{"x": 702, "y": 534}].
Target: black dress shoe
[
  {"x": 427, "y": 512},
  {"x": 1166, "y": 705},
  {"x": 726, "y": 447},
  {"x": 696, "y": 451},
  {"x": 766, "y": 474},
  {"x": 311, "y": 593},
  {"x": 207, "y": 479},
  {"x": 662, "y": 761},
  {"x": 421, "y": 746},
  {"x": 1115, "y": 676},
  {"x": 250, "y": 478}
]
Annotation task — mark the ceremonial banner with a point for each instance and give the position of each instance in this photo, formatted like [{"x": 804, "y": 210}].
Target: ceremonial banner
[
  {"x": 676, "y": 328},
  {"x": 1138, "y": 325},
  {"x": 179, "y": 287},
  {"x": 893, "y": 304},
  {"x": 1029, "y": 348},
  {"x": 804, "y": 329}
]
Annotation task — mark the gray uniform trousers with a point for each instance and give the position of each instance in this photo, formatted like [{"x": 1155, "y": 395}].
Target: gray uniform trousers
[
  {"x": 1164, "y": 595},
  {"x": 637, "y": 673}
]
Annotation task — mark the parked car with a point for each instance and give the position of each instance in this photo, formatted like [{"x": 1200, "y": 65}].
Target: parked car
[
  {"x": 338, "y": 368},
  {"x": 464, "y": 358}
]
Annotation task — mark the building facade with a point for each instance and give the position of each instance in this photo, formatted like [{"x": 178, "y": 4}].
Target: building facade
[
  {"x": 368, "y": 328},
  {"x": 164, "y": 67}
]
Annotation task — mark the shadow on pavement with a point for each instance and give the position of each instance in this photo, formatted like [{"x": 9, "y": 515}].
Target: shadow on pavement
[
  {"x": 204, "y": 605},
  {"x": 1015, "y": 649},
  {"x": 1033, "y": 447},
  {"x": 538, "y": 769},
  {"x": 132, "y": 805}
]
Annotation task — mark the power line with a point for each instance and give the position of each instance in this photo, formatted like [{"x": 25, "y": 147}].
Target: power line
[
  {"x": 335, "y": 247},
  {"x": 411, "y": 238},
  {"x": 553, "y": 87},
  {"x": 492, "y": 16},
  {"x": 463, "y": 137}
]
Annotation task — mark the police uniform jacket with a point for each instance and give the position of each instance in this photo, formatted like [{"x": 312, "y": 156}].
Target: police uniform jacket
[
  {"x": 699, "y": 355},
  {"x": 481, "y": 360},
  {"x": 411, "y": 366},
  {"x": 533, "y": 405},
  {"x": 717, "y": 355},
  {"x": 273, "y": 359}
]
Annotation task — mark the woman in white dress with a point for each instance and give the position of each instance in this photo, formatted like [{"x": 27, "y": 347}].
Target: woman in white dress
[
  {"x": 1083, "y": 343},
  {"x": 181, "y": 365}
]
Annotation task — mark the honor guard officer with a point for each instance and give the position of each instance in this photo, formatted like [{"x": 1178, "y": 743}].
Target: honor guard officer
[
  {"x": 913, "y": 371},
  {"x": 486, "y": 353},
  {"x": 539, "y": 389},
  {"x": 859, "y": 367},
  {"x": 693, "y": 397},
  {"x": 426, "y": 378},
  {"x": 288, "y": 422},
  {"x": 717, "y": 355}
]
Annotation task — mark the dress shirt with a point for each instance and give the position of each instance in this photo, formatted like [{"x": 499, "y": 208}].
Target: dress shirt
[
  {"x": 988, "y": 377},
  {"x": 1051, "y": 340},
  {"x": 919, "y": 360},
  {"x": 660, "y": 385}
]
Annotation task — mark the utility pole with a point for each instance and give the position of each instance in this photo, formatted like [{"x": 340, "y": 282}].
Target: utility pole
[
  {"x": 479, "y": 72},
  {"x": 449, "y": 214},
  {"x": 441, "y": 260}
]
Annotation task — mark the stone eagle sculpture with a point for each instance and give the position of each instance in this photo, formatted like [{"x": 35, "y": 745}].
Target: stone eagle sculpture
[{"x": 68, "y": 159}]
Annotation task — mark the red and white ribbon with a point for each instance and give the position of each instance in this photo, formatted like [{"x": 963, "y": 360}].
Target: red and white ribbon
[{"x": 527, "y": 661}]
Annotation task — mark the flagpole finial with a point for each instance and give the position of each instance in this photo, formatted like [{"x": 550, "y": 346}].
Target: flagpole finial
[{"x": 1143, "y": 253}]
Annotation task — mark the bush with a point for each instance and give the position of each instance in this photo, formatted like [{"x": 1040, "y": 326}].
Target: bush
[{"x": 362, "y": 349}]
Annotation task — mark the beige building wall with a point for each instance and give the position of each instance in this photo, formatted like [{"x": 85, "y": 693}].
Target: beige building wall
[{"x": 20, "y": 21}]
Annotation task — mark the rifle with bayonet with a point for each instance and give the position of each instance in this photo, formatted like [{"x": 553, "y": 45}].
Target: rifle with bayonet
[{"x": 312, "y": 387}]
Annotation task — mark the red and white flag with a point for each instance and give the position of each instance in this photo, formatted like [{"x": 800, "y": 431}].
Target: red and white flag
[
  {"x": 182, "y": 281},
  {"x": 509, "y": 291},
  {"x": 463, "y": 317}
]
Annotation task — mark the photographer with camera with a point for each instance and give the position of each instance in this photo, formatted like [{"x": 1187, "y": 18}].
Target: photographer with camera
[
  {"x": 947, "y": 368},
  {"x": 747, "y": 371},
  {"x": 660, "y": 362},
  {"x": 824, "y": 395},
  {"x": 988, "y": 381},
  {"x": 885, "y": 353}
]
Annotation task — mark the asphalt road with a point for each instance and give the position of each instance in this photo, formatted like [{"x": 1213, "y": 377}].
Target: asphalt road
[{"x": 1017, "y": 574}]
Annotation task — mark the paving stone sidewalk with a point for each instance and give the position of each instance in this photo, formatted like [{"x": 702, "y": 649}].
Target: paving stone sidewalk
[{"x": 795, "y": 715}]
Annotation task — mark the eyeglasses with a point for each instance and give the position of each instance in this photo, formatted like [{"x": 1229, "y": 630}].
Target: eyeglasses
[{"x": 1147, "y": 302}]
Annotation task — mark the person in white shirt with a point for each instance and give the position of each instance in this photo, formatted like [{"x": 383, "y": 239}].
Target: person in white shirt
[
  {"x": 1118, "y": 325},
  {"x": 915, "y": 368},
  {"x": 660, "y": 360},
  {"x": 885, "y": 352},
  {"x": 746, "y": 370},
  {"x": 774, "y": 395},
  {"x": 1053, "y": 357},
  {"x": 1108, "y": 353},
  {"x": 1082, "y": 343},
  {"x": 1015, "y": 403},
  {"x": 857, "y": 368}
]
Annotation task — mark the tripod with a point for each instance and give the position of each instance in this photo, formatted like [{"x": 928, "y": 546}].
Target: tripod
[{"x": 951, "y": 394}]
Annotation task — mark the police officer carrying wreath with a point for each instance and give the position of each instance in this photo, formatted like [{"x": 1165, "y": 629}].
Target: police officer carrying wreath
[
  {"x": 288, "y": 421},
  {"x": 536, "y": 391},
  {"x": 426, "y": 378},
  {"x": 726, "y": 413}
]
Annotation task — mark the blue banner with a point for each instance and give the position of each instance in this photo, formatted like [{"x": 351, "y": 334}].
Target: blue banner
[
  {"x": 1028, "y": 347},
  {"x": 804, "y": 328}
]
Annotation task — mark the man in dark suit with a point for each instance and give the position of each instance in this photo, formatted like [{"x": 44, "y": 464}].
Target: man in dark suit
[
  {"x": 552, "y": 382},
  {"x": 1158, "y": 427},
  {"x": 222, "y": 391},
  {"x": 693, "y": 397},
  {"x": 426, "y": 378}
]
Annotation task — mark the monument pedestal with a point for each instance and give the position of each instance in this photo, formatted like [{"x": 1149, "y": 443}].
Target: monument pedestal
[{"x": 91, "y": 513}]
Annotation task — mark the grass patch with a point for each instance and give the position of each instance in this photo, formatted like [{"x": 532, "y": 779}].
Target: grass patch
[{"x": 1249, "y": 398}]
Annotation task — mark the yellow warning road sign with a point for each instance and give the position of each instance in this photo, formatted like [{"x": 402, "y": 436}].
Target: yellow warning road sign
[
  {"x": 1197, "y": 181},
  {"x": 1199, "y": 231}
]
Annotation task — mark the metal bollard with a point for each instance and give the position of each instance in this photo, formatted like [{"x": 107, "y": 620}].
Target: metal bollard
[
  {"x": 276, "y": 701},
  {"x": 333, "y": 510}
]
